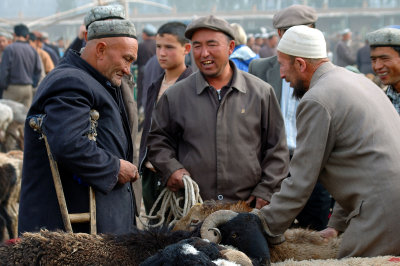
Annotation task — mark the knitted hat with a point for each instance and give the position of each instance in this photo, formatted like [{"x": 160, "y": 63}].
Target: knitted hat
[
  {"x": 104, "y": 12},
  {"x": 111, "y": 28},
  {"x": 303, "y": 41},
  {"x": 384, "y": 37}
]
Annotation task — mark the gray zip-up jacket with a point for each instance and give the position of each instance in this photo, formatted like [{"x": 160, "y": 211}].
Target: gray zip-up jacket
[{"x": 232, "y": 148}]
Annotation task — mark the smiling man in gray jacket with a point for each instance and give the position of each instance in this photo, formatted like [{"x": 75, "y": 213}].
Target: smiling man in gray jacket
[{"x": 221, "y": 126}]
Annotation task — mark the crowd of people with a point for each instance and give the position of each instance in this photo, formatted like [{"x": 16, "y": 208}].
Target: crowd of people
[{"x": 305, "y": 138}]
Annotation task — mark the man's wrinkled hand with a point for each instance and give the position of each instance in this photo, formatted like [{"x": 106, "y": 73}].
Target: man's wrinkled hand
[
  {"x": 259, "y": 202},
  {"x": 175, "y": 181},
  {"x": 127, "y": 172}
]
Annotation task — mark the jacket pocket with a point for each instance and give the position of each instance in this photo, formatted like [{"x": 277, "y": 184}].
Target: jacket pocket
[{"x": 355, "y": 212}]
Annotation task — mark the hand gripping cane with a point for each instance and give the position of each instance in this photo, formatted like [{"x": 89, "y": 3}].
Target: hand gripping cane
[{"x": 36, "y": 124}]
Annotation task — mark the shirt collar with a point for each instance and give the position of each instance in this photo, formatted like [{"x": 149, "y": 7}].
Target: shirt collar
[
  {"x": 237, "y": 81},
  {"x": 391, "y": 93}
]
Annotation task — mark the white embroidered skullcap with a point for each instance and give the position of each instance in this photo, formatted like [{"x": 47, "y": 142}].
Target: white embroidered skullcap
[{"x": 303, "y": 41}]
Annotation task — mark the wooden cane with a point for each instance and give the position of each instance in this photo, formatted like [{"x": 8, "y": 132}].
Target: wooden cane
[{"x": 36, "y": 124}]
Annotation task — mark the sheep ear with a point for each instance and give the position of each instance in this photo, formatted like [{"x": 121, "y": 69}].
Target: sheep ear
[{"x": 213, "y": 221}]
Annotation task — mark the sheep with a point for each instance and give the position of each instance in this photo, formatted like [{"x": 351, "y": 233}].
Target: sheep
[
  {"x": 300, "y": 244},
  {"x": 10, "y": 179},
  {"x": 57, "y": 248},
  {"x": 380, "y": 260},
  {"x": 14, "y": 134},
  {"x": 196, "y": 251},
  {"x": 6, "y": 117}
]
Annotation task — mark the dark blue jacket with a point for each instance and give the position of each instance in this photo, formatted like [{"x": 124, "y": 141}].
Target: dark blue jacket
[
  {"x": 20, "y": 65},
  {"x": 66, "y": 96}
]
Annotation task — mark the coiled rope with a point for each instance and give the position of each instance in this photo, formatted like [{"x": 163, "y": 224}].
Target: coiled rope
[{"x": 171, "y": 203}]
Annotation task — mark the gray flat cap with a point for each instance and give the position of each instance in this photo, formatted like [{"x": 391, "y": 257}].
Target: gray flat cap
[
  {"x": 150, "y": 30},
  {"x": 384, "y": 37},
  {"x": 209, "y": 22},
  {"x": 111, "y": 28},
  {"x": 294, "y": 15},
  {"x": 104, "y": 12}
]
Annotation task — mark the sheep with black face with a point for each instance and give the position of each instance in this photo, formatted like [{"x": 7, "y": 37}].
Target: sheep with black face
[{"x": 241, "y": 230}]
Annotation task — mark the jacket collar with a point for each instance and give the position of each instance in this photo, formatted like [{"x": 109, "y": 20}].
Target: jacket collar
[
  {"x": 74, "y": 58},
  {"x": 321, "y": 70},
  {"x": 238, "y": 81},
  {"x": 157, "y": 84}
]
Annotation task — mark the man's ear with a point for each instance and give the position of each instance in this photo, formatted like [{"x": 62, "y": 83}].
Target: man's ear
[
  {"x": 231, "y": 46},
  {"x": 101, "y": 48},
  {"x": 302, "y": 65},
  {"x": 85, "y": 36},
  {"x": 187, "y": 47}
]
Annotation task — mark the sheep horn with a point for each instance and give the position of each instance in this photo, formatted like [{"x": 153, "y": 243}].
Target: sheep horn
[{"x": 209, "y": 228}]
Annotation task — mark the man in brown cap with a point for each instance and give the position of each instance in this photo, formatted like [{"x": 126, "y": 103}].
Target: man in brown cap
[
  {"x": 316, "y": 212},
  {"x": 80, "y": 83},
  {"x": 221, "y": 126}
]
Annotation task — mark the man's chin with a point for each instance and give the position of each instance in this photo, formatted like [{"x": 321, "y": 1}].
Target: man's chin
[{"x": 116, "y": 82}]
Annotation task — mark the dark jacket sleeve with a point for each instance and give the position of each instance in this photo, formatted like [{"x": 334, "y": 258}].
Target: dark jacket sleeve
[
  {"x": 162, "y": 141},
  {"x": 37, "y": 71},
  {"x": 275, "y": 160},
  {"x": 4, "y": 71},
  {"x": 66, "y": 125}
]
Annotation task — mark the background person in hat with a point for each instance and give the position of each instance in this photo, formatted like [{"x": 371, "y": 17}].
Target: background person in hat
[
  {"x": 348, "y": 140},
  {"x": 316, "y": 212},
  {"x": 385, "y": 60},
  {"x": 20, "y": 67},
  {"x": 343, "y": 55},
  {"x": 80, "y": 83},
  {"x": 220, "y": 125},
  {"x": 147, "y": 48},
  {"x": 5, "y": 40},
  {"x": 242, "y": 55}
]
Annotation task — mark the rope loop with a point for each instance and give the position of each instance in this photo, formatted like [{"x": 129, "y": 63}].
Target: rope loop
[{"x": 170, "y": 210}]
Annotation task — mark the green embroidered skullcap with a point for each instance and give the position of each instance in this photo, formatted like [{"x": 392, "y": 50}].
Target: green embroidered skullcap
[
  {"x": 103, "y": 13},
  {"x": 111, "y": 28},
  {"x": 384, "y": 37}
]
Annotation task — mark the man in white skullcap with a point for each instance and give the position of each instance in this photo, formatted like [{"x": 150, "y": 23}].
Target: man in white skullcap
[
  {"x": 348, "y": 140},
  {"x": 315, "y": 213},
  {"x": 79, "y": 84}
]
